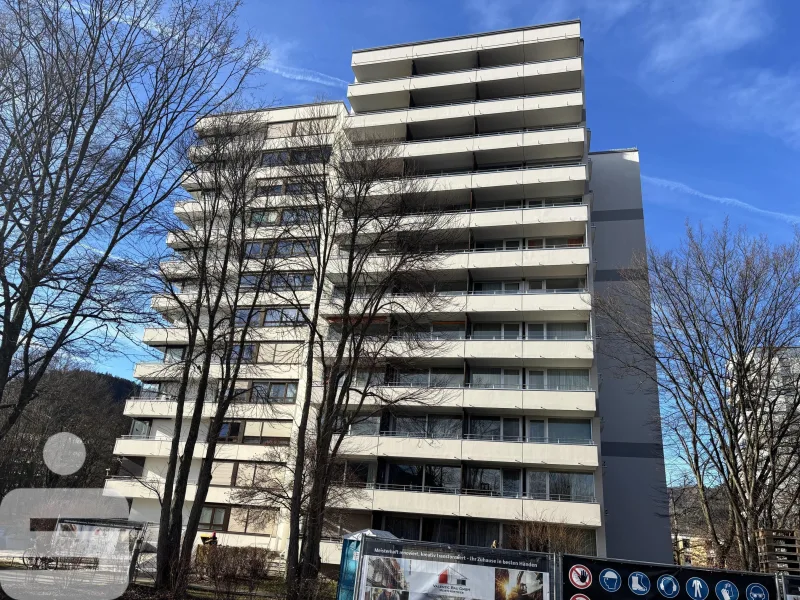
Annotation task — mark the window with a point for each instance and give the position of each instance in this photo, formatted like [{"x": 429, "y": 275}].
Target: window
[
  {"x": 149, "y": 390},
  {"x": 275, "y": 158},
  {"x": 444, "y": 427},
  {"x": 406, "y": 528},
  {"x": 248, "y": 317},
  {"x": 571, "y": 487},
  {"x": 406, "y": 476},
  {"x": 260, "y": 433},
  {"x": 442, "y": 479},
  {"x": 263, "y": 218},
  {"x": 537, "y": 484},
  {"x": 292, "y": 281},
  {"x": 311, "y": 155},
  {"x": 366, "y": 425},
  {"x": 447, "y": 378},
  {"x": 213, "y": 518},
  {"x": 409, "y": 425},
  {"x": 246, "y": 353},
  {"x": 174, "y": 354},
  {"x": 567, "y": 331},
  {"x": 496, "y": 331},
  {"x": 563, "y": 431},
  {"x": 496, "y": 378},
  {"x": 483, "y": 480},
  {"x": 295, "y": 216},
  {"x": 485, "y": 428},
  {"x": 273, "y": 392},
  {"x": 482, "y": 533},
  {"x": 558, "y": 379},
  {"x": 259, "y": 249},
  {"x": 512, "y": 483},
  {"x": 553, "y": 202},
  {"x": 229, "y": 432},
  {"x": 496, "y": 287},
  {"x": 277, "y": 316},
  {"x": 259, "y": 474},
  {"x": 140, "y": 428},
  {"x": 442, "y": 531},
  {"x": 252, "y": 520},
  {"x": 536, "y": 431}
]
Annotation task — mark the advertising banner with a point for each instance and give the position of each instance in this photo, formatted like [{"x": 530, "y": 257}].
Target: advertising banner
[
  {"x": 401, "y": 570},
  {"x": 597, "y": 579}
]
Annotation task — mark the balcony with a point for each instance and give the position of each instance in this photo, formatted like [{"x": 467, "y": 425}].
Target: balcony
[
  {"x": 464, "y": 118},
  {"x": 476, "y": 504},
  {"x": 539, "y": 452},
  {"x": 162, "y": 407},
  {"x": 153, "y": 488},
  {"x": 160, "y": 447},
  {"x": 467, "y": 84},
  {"x": 567, "y": 261},
  {"x": 154, "y": 336},
  {"x": 449, "y": 54},
  {"x": 161, "y": 371}
]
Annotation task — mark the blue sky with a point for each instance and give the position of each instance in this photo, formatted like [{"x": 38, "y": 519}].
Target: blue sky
[{"x": 708, "y": 90}]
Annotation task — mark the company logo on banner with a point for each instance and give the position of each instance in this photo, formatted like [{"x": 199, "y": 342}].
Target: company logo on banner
[
  {"x": 401, "y": 570},
  {"x": 617, "y": 580}
]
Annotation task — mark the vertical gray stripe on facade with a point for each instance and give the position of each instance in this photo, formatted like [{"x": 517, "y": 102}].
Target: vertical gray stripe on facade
[
  {"x": 623, "y": 214},
  {"x": 632, "y": 450}
]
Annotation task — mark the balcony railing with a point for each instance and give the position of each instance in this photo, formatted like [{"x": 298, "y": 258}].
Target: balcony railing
[
  {"x": 424, "y": 75},
  {"x": 459, "y": 491},
  {"x": 490, "y": 386},
  {"x": 465, "y": 102},
  {"x": 488, "y": 337},
  {"x": 481, "y": 437}
]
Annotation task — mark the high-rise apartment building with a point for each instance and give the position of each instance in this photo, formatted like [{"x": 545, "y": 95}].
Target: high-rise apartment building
[{"x": 539, "y": 428}]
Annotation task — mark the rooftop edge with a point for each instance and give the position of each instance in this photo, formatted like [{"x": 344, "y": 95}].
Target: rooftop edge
[{"x": 469, "y": 35}]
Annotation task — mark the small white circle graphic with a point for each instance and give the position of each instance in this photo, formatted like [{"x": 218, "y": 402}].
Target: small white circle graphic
[{"x": 64, "y": 453}]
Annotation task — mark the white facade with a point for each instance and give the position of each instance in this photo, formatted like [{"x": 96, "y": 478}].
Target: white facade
[{"x": 496, "y": 123}]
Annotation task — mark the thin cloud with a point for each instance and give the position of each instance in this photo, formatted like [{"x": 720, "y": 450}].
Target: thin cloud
[
  {"x": 676, "y": 186},
  {"x": 298, "y": 74}
]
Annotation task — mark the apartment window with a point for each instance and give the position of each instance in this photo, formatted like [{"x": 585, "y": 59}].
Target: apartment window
[
  {"x": 290, "y": 248},
  {"x": 562, "y": 285},
  {"x": 307, "y": 156},
  {"x": 496, "y": 331},
  {"x": 296, "y": 216},
  {"x": 257, "y": 474},
  {"x": 174, "y": 354},
  {"x": 447, "y": 378},
  {"x": 497, "y": 245},
  {"x": 444, "y": 427},
  {"x": 292, "y": 281},
  {"x": 252, "y": 520},
  {"x": 495, "y": 428},
  {"x": 264, "y": 218},
  {"x": 259, "y": 433},
  {"x": 553, "y": 202},
  {"x": 405, "y": 476},
  {"x": 213, "y": 518},
  {"x": 483, "y": 480},
  {"x": 229, "y": 431},
  {"x": 222, "y": 473},
  {"x": 558, "y": 331},
  {"x": 496, "y": 378},
  {"x": 286, "y": 316},
  {"x": 558, "y": 379},
  {"x": 442, "y": 478},
  {"x": 406, "y": 528},
  {"x": 338, "y": 524},
  {"x": 275, "y": 158},
  {"x": 273, "y": 392},
  {"x": 248, "y": 317},
  {"x": 280, "y": 130},
  {"x": 537, "y": 484},
  {"x": 366, "y": 425},
  {"x": 141, "y": 428},
  {"x": 149, "y": 390},
  {"x": 270, "y": 189},
  {"x": 555, "y": 242},
  {"x": 409, "y": 425},
  {"x": 537, "y": 432},
  {"x": 571, "y": 487},
  {"x": 496, "y": 287},
  {"x": 564, "y": 431},
  {"x": 482, "y": 533},
  {"x": 245, "y": 353},
  {"x": 442, "y": 531}
]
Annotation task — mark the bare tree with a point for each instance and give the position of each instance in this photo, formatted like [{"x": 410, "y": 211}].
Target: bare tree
[
  {"x": 96, "y": 97},
  {"x": 71, "y": 400},
  {"x": 722, "y": 328},
  {"x": 376, "y": 232},
  {"x": 545, "y": 533},
  {"x": 214, "y": 287}
]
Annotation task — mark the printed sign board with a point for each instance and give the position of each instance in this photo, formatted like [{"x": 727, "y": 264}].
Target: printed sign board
[
  {"x": 402, "y": 570},
  {"x": 598, "y": 579}
]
